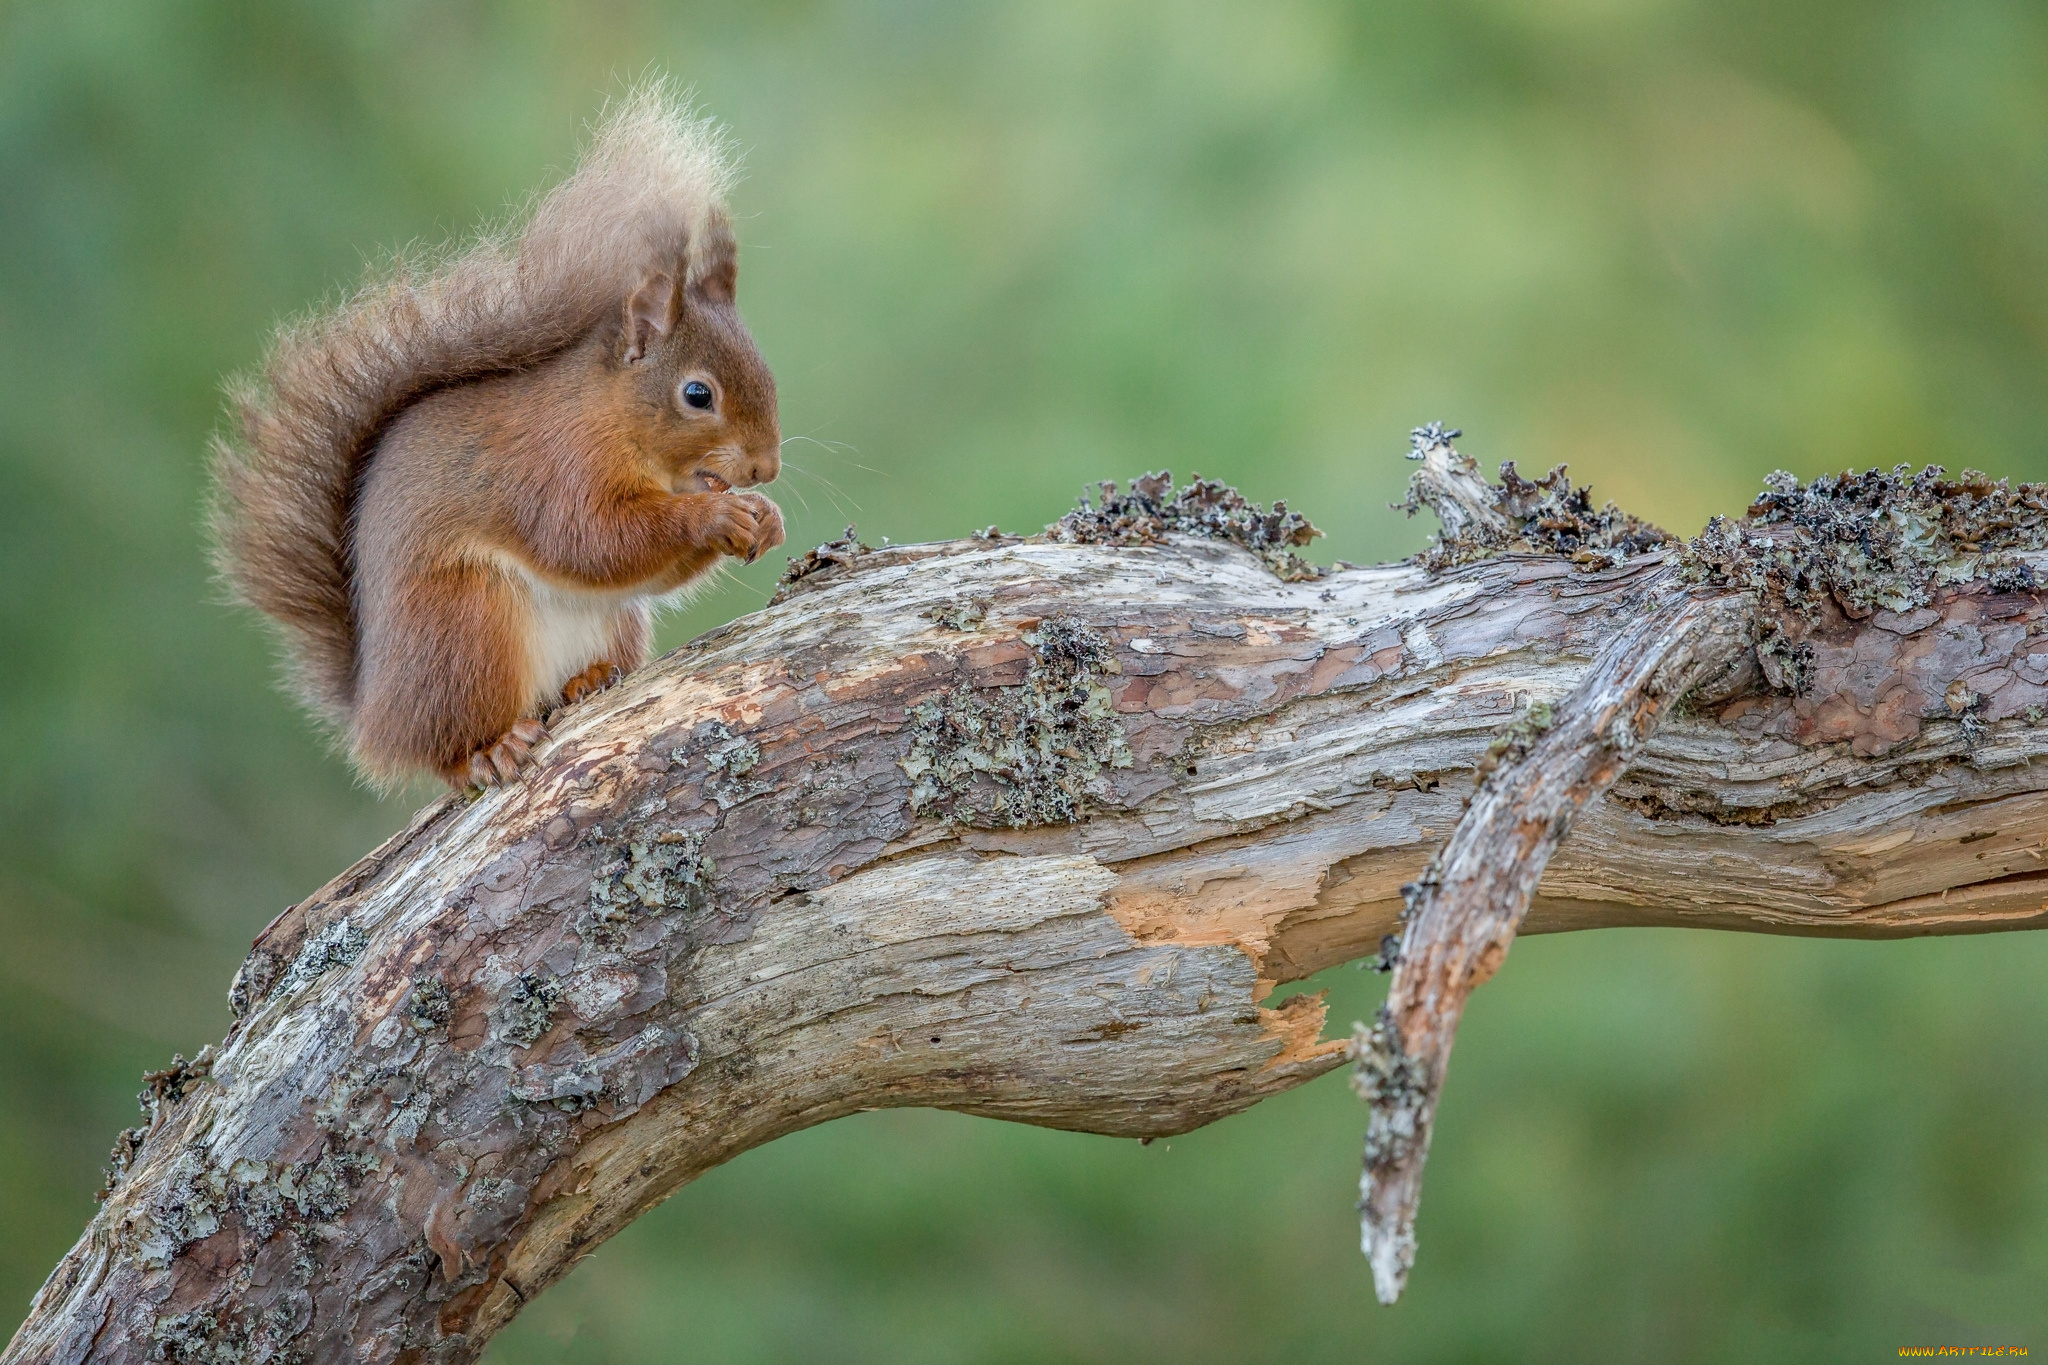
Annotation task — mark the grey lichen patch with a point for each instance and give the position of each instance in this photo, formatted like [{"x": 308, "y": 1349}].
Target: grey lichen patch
[
  {"x": 1787, "y": 665},
  {"x": 961, "y": 616},
  {"x": 1873, "y": 541},
  {"x": 161, "y": 1090},
  {"x": 528, "y": 1007},
  {"x": 1152, "y": 510},
  {"x": 1394, "y": 1084},
  {"x": 430, "y": 1006},
  {"x": 667, "y": 871},
  {"x": 626, "y": 1076},
  {"x": 253, "y": 980},
  {"x": 225, "y": 1333},
  {"x": 1517, "y": 737},
  {"x": 729, "y": 764},
  {"x": 317, "y": 1191},
  {"x": 1036, "y": 754},
  {"x": 127, "y": 1147},
  {"x": 339, "y": 944},
  {"x": 1415, "y": 894},
  {"x": 839, "y": 553},
  {"x": 1966, "y": 705},
  {"x": 1546, "y": 516},
  {"x": 199, "y": 1338},
  {"x": 198, "y": 1194}
]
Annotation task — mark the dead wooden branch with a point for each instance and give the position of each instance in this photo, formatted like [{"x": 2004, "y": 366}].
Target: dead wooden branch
[
  {"x": 1027, "y": 829},
  {"x": 1464, "y": 910}
]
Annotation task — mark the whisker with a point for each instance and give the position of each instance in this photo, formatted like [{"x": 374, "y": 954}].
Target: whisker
[
  {"x": 832, "y": 490},
  {"x": 794, "y": 488},
  {"x": 837, "y": 448}
]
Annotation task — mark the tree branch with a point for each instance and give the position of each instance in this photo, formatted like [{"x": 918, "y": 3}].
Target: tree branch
[
  {"x": 1464, "y": 910},
  {"x": 1024, "y": 829}
]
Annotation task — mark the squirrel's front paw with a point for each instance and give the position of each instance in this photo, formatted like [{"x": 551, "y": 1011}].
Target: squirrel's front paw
[
  {"x": 745, "y": 526},
  {"x": 500, "y": 762},
  {"x": 590, "y": 682}
]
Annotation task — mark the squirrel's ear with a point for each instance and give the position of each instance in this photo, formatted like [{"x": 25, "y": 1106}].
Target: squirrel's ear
[
  {"x": 715, "y": 262},
  {"x": 651, "y": 312}
]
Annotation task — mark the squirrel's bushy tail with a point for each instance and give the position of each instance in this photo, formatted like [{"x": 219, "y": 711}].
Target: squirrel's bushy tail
[{"x": 305, "y": 423}]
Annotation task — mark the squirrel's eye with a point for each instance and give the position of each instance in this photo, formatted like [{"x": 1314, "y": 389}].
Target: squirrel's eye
[{"x": 697, "y": 394}]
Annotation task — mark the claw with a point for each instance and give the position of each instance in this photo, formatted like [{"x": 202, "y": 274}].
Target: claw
[
  {"x": 497, "y": 764},
  {"x": 591, "y": 680}
]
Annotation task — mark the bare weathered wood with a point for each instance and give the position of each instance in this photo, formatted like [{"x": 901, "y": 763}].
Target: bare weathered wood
[
  {"x": 1013, "y": 828},
  {"x": 1465, "y": 909}
]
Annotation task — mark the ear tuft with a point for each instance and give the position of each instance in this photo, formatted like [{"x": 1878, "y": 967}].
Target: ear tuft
[
  {"x": 715, "y": 261},
  {"x": 651, "y": 313}
]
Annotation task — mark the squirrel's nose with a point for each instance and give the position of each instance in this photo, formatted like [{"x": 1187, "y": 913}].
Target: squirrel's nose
[{"x": 764, "y": 465}]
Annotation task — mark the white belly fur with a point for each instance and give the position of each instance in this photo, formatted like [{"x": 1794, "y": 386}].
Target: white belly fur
[{"x": 572, "y": 629}]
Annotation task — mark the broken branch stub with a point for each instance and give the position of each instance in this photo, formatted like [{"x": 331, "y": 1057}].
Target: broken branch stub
[
  {"x": 1737, "y": 604},
  {"x": 1029, "y": 829},
  {"x": 1462, "y": 914}
]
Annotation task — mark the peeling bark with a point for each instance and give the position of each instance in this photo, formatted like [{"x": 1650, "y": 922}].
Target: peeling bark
[{"x": 1022, "y": 829}]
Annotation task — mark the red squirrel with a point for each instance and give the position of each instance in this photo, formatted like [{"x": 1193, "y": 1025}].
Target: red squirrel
[{"x": 462, "y": 492}]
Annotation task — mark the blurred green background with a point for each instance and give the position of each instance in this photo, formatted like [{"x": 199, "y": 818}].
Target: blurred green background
[{"x": 993, "y": 252}]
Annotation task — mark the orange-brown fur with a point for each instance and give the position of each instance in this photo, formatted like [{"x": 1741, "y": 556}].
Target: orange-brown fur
[{"x": 462, "y": 492}]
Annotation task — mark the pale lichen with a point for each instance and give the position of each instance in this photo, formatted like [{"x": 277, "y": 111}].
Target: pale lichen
[
  {"x": 199, "y": 1338},
  {"x": 729, "y": 764},
  {"x": 224, "y": 1333},
  {"x": 1545, "y": 516},
  {"x": 1152, "y": 510},
  {"x": 337, "y": 945},
  {"x": 1874, "y": 540},
  {"x": 161, "y": 1090},
  {"x": 1514, "y": 740},
  {"x": 258, "y": 973},
  {"x": 198, "y": 1194},
  {"x": 1787, "y": 665},
  {"x": 1034, "y": 754},
  {"x": 430, "y": 1006},
  {"x": 653, "y": 873},
  {"x": 1395, "y": 1084},
  {"x": 527, "y": 1008},
  {"x": 961, "y": 616},
  {"x": 832, "y": 554},
  {"x": 625, "y": 1076}
]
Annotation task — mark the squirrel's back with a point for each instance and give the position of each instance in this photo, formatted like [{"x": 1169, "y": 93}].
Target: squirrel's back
[{"x": 308, "y": 422}]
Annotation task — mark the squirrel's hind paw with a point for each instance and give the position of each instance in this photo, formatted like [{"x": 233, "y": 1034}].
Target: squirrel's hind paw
[
  {"x": 500, "y": 762},
  {"x": 590, "y": 682}
]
